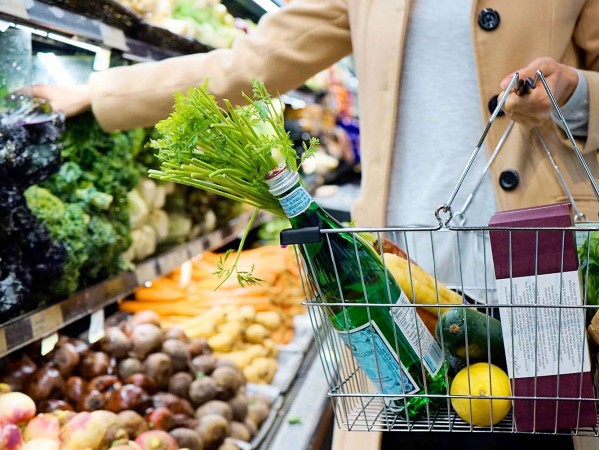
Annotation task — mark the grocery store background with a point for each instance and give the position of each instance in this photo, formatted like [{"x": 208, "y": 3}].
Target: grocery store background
[{"x": 87, "y": 240}]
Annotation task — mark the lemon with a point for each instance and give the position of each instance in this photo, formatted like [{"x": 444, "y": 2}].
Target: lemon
[{"x": 482, "y": 383}]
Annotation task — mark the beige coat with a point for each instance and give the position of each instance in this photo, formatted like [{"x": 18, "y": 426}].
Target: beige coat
[{"x": 310, "y": 35}]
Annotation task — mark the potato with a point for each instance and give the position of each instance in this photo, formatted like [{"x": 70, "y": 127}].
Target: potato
[
  {"x": 232, "y": 328},
  {"x": 204, "y": 363},
  {"x": 228, "y": 380},
  {"x": 258, "y": 412},
  {"x": 269, "y": 319},
  {"x": 221, "y": 342},
  {"x": 213, "y": 430},
  {"x": 215, "y": 407},
  {"x": 252, "y": 374},
  {"x": 239, "y": 359},
  {"x": 248, "y": 312},
  {"x": 202, "y": 390},
  {"x": 256, "y": 333},
  {"x": 239, "y": 406},
  {"x": 187, "y": 438},
  {"x": 240, "y": 431}
]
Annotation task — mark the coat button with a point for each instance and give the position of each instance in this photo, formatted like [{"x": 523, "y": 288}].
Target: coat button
[
  {"x": 493, "y": 104},
  {"x": 488, "y": 19},
  {"x": 509, "y": 180}
]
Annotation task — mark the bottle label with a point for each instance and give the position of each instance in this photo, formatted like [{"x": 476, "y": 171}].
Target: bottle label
[
  {"x": 378, "y": 360},
  {"x": 416, "y": 333},
  {"x": 296, "y": 202}
]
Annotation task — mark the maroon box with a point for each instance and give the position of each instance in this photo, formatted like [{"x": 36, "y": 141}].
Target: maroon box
[{"x": 546, "y": 348}]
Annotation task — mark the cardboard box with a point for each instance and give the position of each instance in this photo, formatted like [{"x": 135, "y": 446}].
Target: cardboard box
[{"x": 546, "y": 347}]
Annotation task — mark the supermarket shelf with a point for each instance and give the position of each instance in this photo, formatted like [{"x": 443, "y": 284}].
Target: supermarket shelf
[
  {"x": 137, "y": 40},
  {"x": 36, "y": 325}
]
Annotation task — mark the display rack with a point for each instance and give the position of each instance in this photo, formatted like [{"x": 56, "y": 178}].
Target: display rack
[
  {"x": 138, "y": 41},
  {"x": 38, "y": 324}
]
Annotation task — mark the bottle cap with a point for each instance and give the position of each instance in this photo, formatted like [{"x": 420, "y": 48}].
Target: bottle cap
[{"x": 280, "y": 180}]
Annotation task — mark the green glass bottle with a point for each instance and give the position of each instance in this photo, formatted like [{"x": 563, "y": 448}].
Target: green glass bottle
[{"x": 386, "y": 342}]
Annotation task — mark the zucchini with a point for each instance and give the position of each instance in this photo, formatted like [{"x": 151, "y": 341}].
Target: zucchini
[{"x": 460, "y": 326}]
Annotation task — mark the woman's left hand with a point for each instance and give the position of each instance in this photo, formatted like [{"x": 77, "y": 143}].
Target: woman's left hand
[{"x": 534, "y": 108}]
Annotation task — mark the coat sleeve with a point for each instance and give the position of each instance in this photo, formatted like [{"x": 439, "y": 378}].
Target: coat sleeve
[
  {"x": 285, "y": 49},
  {"x": 586, "y": 37}
]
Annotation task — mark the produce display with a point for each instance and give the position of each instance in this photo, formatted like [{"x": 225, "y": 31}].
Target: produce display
[
  {"x": 98, "y": 170},
  {"x": 30, "y": 257},
  {"x": 244, "y": 325},
  {"x": 159, "y": 389},
  {"x": 207, "y": 21}
]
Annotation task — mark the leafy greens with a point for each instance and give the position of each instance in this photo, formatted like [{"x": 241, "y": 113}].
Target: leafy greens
[{"x": 227, "y": 150}]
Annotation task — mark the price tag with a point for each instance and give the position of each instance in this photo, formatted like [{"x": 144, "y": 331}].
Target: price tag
[
  {"x": 49, "y": 343},
  {"x": 46, "y": 321},
  {"x": 96, "y": 327},
  {"x": 4, "y": 26},
  {"x": 3, "y": 345},
  {"x": 185, "y": 277},
  {"x": 145, "y": 272},
  {"x": 113, "y": 37},
  {"x": 14, "y": 8}
]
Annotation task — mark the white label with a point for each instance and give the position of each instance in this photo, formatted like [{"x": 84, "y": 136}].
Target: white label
[
  {"x": 378, "y": 360},
  {"x": 185, "y": 274},
  {"x": 296, "y": 202},
  {"x": 3, "y": 345},
  {"x": 541, "y": 341},
  {"x": 113, "y": 37},
  {"x": 14, "y": 8},
  {"x": 418, "y": 336},
  {"x": 46, "y": 321},
  {"x": 49, "y": 343},
  {"x": 96, "y": 327}
]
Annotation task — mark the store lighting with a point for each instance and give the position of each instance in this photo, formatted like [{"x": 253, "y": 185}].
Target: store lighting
[
  {"x": 51, "y": 62},
  {"x": 267, "y": 5},
  {"x": 31, "y": 30}
]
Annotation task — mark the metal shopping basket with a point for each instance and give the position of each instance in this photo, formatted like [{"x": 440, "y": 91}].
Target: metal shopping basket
[{"x": 548, "y": 354}]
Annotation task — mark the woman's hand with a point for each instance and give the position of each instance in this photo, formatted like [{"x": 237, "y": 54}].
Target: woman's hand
[
  {"x": 534, "y": 108},
  {"x": 70, "y": 100}
]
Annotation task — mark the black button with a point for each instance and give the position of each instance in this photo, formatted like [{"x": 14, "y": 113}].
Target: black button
[
  {"x": 493, "y": 104},
  {"x": 509, "y": 180},
  {"x": 488, "y": 19}
]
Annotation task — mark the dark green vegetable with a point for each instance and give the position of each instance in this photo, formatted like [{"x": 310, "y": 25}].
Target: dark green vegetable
[
  {"x": 588, "y": 256},
  {"x": 98, "y": 172},
  {"x": 466, "y": 332}
]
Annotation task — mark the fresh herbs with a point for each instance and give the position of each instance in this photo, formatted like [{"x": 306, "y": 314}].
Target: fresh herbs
[{"x": 227, "y": 150}]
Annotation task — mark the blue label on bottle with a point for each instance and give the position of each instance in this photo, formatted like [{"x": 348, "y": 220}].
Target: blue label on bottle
[
  {"x": 378, "y": 361},
  {"x": 296, "y": 202}
]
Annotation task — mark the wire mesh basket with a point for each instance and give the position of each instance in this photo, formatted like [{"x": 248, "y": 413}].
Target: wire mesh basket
[{"x": 494, "y": 320}]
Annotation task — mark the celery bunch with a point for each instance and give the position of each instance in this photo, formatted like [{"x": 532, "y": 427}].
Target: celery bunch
[{"x": 227, "y": 150}]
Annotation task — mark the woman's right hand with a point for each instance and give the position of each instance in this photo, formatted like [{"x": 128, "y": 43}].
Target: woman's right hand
[{"x": 70, "y": 100}]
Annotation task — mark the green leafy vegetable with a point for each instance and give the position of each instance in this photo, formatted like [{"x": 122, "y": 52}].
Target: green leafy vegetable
[
  {"x": 588, "y": 256},
  {"x": 67, "y": 224},
  {"x": 226, "y": 151}
]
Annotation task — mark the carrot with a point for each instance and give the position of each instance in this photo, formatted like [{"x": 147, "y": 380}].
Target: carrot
[
  {"x": 184, "y": 308},
  {"x": 158, "y": 295}
]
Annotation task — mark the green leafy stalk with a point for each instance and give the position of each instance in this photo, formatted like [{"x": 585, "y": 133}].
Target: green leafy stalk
[{"x": 227, "y": 150}]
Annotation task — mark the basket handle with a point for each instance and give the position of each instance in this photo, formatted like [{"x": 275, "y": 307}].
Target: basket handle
[{"x": 444, "y": 213}]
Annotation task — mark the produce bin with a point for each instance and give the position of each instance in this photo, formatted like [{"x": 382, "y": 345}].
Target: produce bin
[{"x": 494, "y": 329}]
